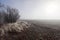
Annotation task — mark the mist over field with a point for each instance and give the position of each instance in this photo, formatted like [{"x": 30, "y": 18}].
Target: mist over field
[
  {"x": 55, "y": 24},
  {"x": 29, "y": 19}
]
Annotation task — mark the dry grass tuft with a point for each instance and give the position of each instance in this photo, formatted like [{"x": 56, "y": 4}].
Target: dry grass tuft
[{"x": 22, "y": 30}]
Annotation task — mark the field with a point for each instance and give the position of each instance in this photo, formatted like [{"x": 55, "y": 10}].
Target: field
[
  {"x": 29, "y": 30},
  {"x": 54, "y": 24}
]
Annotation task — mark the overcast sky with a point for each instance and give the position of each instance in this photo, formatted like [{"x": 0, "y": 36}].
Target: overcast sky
[{"x": 36, "y": 9}]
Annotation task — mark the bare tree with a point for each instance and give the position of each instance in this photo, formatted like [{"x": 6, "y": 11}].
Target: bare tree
[
  {"x": 12, "y": 15},
  {"x": 8, "y": 14}
]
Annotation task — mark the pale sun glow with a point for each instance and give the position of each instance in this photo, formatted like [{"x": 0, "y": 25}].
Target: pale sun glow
[{"x": 50, "y": 10}]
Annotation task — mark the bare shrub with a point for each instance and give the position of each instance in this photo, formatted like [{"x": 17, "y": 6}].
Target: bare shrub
[
  {"x": 12, "y": 15},
  {"x": 8, "y": 15}
]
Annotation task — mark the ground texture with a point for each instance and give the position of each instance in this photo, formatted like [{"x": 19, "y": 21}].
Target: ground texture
[{"x": 22, "y": 30}]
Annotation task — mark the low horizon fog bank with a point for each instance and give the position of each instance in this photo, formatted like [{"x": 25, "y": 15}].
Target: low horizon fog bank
[{"x": 52, "y": 22}]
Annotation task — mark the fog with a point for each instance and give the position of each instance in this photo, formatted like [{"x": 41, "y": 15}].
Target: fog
[{"x": 36, "y": 9}]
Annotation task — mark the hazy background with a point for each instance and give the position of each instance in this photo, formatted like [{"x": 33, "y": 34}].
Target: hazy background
[{"x": 36, "y": 9}]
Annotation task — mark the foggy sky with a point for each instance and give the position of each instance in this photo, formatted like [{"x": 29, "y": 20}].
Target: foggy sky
[{"x": 36, "y": 9}]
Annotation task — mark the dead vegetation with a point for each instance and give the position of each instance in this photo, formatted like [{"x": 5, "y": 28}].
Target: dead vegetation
[
  {"x": 22, "y": 30},
  {"x": 11, "y": 29}
]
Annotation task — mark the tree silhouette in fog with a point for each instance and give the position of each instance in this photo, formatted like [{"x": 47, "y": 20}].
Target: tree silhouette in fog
[
  {"x": 12, "y": 15},
  {"x": 8, "y": 14}
]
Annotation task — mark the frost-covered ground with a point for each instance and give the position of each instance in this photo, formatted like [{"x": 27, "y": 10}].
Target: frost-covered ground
[{"x": 22, "y": 30}]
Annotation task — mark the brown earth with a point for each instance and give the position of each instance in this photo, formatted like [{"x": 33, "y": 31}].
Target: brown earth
[{"x": 22, "y": 30}]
